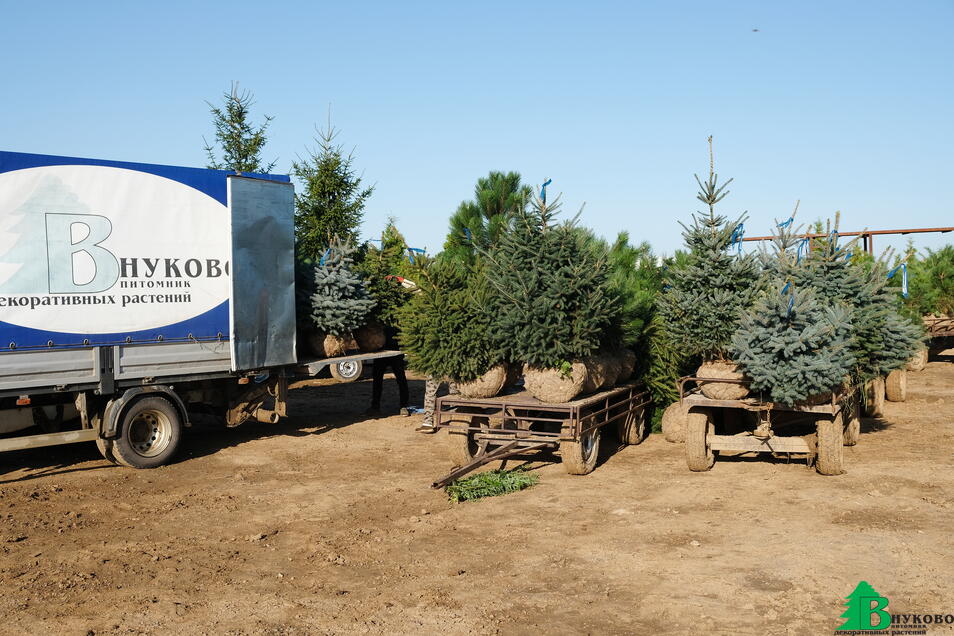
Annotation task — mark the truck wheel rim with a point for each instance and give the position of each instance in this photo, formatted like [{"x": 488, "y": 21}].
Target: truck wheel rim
[
  {"x": 348, "y": 369},
  {"x": 149, "y": 433}
]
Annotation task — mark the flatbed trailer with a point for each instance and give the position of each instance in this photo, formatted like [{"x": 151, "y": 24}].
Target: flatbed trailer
[
  {"x": 347, "y": 368},
  {"x": 751, "y": 425},
  {"x": 482, "y": 430}
]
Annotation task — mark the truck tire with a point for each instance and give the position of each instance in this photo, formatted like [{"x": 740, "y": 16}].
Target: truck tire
[
  {"x": 874, "y": 398},
  {"x": 632, "y": 428},
  {"x": 579, "y": 458},
  {"x": 699, "y": 454},
  {"x": 347, "y": 371},
  {"x": 896, "y": 386},
  {"x": 105, "y": 448},
  {"x": 831, "y": 437},
  {"x": 463, "y": 446},
  {"x": 149, "y": 434}
]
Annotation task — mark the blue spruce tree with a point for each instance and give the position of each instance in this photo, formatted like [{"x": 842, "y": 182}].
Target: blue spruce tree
[{"x": 340, "y": 302}]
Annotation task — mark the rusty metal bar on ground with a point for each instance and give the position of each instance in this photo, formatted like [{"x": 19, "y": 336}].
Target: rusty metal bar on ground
[{"x": 502, "y": 452}]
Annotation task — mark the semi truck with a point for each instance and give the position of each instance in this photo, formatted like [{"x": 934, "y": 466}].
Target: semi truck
[{"x": 132, "y": 294}]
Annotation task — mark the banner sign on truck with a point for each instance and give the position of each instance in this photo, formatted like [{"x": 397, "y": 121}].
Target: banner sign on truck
[{"x": 102, "y": 252}]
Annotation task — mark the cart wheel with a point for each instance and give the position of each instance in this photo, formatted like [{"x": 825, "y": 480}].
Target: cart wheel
[
  {"x": 919, "y": 361},
  {"x": 579, "y": 458},
  {"x": 632, "y": 428},
  {"x": 874, "y": 394},
  {"x": 831, "y": 436},
  {"x": 463, "y": 446},
  {"x": 896, "y": 385},
  {"x": 699, "y": 454},
  {"x": 347, "y": 371},
  {"x": 853, "y": 428}
]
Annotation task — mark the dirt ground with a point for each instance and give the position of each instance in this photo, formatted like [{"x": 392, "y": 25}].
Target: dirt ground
[{"x": 325, "y": 524}]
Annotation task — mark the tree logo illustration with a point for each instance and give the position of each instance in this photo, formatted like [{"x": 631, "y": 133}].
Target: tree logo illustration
[{"x": 865, "y": 609}]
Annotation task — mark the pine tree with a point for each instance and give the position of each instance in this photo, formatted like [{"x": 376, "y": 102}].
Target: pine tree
[
  {"x": 792, "y": 346},
  {"x": 332, "y": 199},
  {"x": 706, "y": 294},
  {"x": 667, "y": 363},
  {"x": 637, "y": 280},
  {"x": 931, "y": 283},
  {"x": 340, "y": 302},
  {"x": 882, "y": 340},
  {"x": 444, "y": 326},
  {"x": 478, "y": 224},
  {"x": 378, "y": 266},
  {"x": 239, "y": 141},
  {"x": 551, "y": 303}
]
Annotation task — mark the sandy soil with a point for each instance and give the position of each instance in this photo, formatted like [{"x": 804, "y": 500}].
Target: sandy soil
[{"x": 325, "y": 523}]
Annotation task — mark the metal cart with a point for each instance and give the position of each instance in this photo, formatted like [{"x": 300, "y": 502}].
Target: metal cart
[
  {"x": 815, "y": 432},
  {"x": 483, "y": 430}
]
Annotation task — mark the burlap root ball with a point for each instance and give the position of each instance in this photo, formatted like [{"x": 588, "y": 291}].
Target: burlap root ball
[
  {"x": 329, "y": 346},
  {"x": 370, "y": 338},
  {"x": 627, "y": 360},
  {"x": 551, "y": 386},
  {"x": 722, "y": 390},
  {"x": 595, "y": 373},
  {"x": 613, "y": 368},
  {"x": 487, "y": 385},
  {"x": 674, "y": 423}
]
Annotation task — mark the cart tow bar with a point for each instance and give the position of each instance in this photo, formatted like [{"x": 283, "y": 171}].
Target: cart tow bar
[{"x": 502, "y": 452}]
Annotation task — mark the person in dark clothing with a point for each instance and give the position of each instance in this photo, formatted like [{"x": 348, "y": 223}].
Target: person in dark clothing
[{"x": 381, "y": 365}]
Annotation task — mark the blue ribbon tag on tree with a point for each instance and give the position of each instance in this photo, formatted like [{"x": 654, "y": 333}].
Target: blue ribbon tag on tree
[
  {"x": 411, "y": 251},
  {"x": 904, "y": 277},
  {"x": 736, "y": 238},
  {"x": 543, "y": 190},
  {"x": 802, "y": 245}
]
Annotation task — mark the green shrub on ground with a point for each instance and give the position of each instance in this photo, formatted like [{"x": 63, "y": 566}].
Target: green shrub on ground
[{"x": 490, "y": 484}]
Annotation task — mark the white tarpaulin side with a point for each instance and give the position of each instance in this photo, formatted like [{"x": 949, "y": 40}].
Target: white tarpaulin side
[{"x": 263, "y": 273}]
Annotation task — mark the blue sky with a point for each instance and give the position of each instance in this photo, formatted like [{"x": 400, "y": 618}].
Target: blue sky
[{"x": 847, "y": 106}]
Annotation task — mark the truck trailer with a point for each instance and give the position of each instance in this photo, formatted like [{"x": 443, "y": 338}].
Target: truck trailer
[{"x": 133, "y": 293}]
